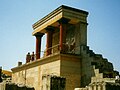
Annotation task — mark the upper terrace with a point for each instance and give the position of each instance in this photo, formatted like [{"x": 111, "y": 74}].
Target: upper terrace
[{"x": 65, "y": 29}]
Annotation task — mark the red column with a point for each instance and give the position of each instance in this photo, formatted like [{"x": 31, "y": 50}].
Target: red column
[
  {"x": 61, "y": 36},
  {"x": 63, "y": 22},
  {"x": 38, "y": 44},
  {"x": 49, "y": 40}
]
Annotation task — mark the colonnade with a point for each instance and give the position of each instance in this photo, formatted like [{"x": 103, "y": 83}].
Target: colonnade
[{"x": 49, "y": 32}]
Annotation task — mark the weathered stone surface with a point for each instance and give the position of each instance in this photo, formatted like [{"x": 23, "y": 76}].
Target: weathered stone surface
[
  {"x": 69, "y": 56},
  {"x": 66, "y": 66}
]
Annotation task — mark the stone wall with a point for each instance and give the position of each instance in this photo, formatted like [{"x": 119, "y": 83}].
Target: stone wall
[
  {"x": 31, "y": 74},
  {"x": 67, "y": 66},
  {"x": 87, "y": 68},
  {"x": 94, "y": 65},
  {"x": 77, "y": 69},
  {"x": 71, "y": 70}
]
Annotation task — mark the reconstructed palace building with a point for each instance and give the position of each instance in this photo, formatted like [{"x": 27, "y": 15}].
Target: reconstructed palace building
[{"x": 67, "y": 63}]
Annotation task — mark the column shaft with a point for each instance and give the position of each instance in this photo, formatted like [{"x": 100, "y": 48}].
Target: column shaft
[
  {"x": 63, "y": 23},
  {"x": 62, "y": 36},
  {"x": 49, "y": 41},
  {"x": 38, "y": 45}
]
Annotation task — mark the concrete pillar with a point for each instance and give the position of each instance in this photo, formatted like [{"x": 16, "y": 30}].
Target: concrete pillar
[
  {"x": 83, "y": 33},
  {"x": 49, "y": 40},
  {"x": 38, "y": 44},
  {"x": 63, "y": 26}
]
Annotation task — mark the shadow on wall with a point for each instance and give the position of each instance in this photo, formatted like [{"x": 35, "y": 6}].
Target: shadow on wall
[{"x": 16, "y": 87}]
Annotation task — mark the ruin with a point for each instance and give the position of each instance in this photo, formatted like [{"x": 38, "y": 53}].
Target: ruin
[{"x": 66, "y": 57}]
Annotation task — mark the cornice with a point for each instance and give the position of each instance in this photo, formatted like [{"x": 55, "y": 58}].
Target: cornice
[{"x": 56, "y": 15}]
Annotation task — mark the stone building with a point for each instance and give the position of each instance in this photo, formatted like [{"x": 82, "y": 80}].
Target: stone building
[{"x": 68, "y": 63}]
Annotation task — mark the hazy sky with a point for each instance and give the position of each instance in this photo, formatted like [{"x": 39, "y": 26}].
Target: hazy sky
[{"x": 18, "y": 16}]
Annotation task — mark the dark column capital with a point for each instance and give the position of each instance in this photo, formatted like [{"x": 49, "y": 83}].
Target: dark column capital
[
  {"x": 50, "y": 29},
  {"x": 39, "y": 34},
  {"x": 63, "y": 20}
]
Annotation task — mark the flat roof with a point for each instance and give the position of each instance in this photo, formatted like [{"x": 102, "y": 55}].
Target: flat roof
[{"x": 55, "y": 13}]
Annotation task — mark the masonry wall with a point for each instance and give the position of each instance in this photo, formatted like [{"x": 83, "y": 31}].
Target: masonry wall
[
  {"x": 71, "y": 70},
  {"x": 32, "y": 76},
  {"x": 27, "y": 77},
  {"x": 67, "y": 66}
]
